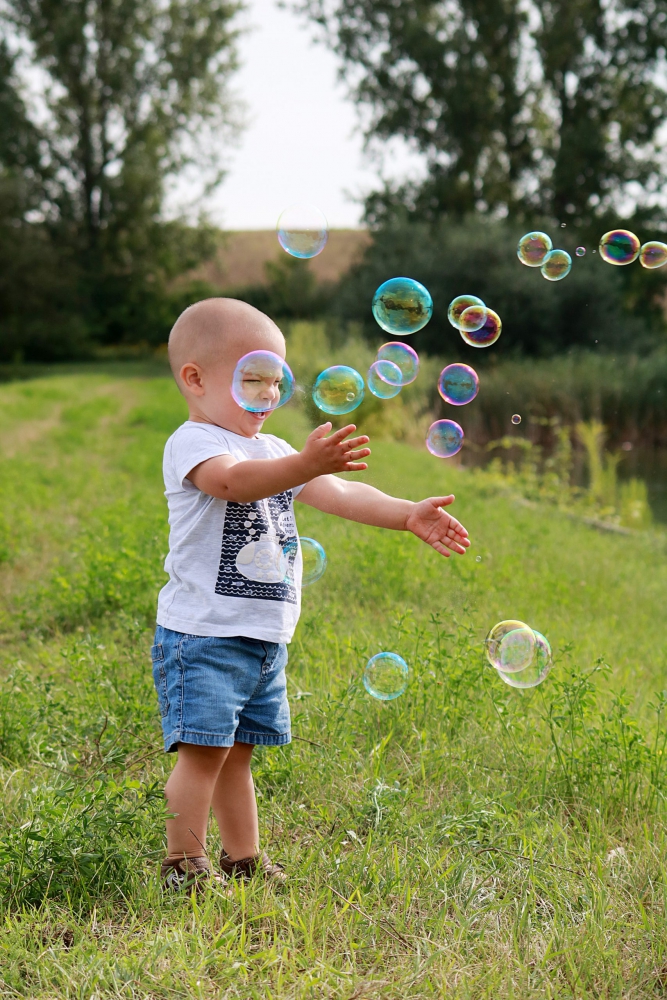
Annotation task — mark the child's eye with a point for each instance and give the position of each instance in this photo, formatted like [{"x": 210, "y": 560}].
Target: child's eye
[{"x": 249, "y": 378}]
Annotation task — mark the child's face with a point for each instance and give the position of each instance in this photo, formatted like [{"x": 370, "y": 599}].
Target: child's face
[{"x": 210, "y": 391}]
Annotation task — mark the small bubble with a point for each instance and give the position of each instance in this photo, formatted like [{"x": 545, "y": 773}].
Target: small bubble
[
  {"x": 580, "y": 251},
  {"x": 516, "y": 418},
  {"x": 593, "y": 251},
  {"x": 563, "y": 225},
  {"x": 349, "y": 397},
  {"x": 478, "y": 558}
]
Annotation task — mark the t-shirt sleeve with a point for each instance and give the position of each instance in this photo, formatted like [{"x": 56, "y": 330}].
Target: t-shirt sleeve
[
  {"x": 192, "y": 445},
  {"x": 295, "y": 489}
]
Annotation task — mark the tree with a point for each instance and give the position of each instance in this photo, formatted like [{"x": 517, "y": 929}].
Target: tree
[
  {"x": 552, "y": 108},
  {"x": 132, "y": 91}
]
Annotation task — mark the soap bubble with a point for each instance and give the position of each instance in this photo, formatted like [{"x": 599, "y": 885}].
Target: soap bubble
[
  {"x": 403, "y": 356},
  {"x": 556, "y": 265},
  {"x": 262, "y": 381},
  {"x": 338, "y": 389},
  {"x": 314, "y": 560},
  {"x": 653, "y": 254},
  {"x": 386, "y": 676},
  {"x": 457, "y": 306},
  {"x": 473, "y": 318},
  {"x": 510, "y": 645},
  {"x": 537, "y": 669},
  {"x": 444, "y": 438},
  {"x": 533, "y": 248},
  {"x": 402, "y": 305},
  {"x": 384, "y": 379},
  {"x": 302, "y": 231},
  {"x": 487, "y": 334},
  {"x": 563, "y": 225},
  {"x": 619, "y": 246},
  {"x": 458, "y": 384},
  {"x": 516, "y": 418},
  {"x": 580, "y": 251}
]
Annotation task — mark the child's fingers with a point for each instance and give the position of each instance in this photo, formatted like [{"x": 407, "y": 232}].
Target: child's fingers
[
  {"x": 338, "y": 436},
  {"x": 361, "y": 453},
  {"x": 355, "y": 466},
  {"x": 443, "y": 501},
  {"x": 356, "y": 442},
  {"x": 321, "y": 431},
  {"x": 439, "y": 547}
]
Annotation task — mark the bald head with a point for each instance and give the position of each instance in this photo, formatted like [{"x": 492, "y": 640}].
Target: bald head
[{"x": 220, "y": 331}]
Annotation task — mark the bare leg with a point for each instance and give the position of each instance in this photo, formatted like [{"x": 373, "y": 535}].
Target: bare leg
[
  {"x": 235, "y": 806},
  {"x": 189, "y": 791}
]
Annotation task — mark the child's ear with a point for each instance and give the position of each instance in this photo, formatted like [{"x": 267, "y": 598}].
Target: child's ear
[{"x": 191, "y": 377}]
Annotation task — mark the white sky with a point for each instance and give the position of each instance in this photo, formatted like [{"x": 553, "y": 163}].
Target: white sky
[{"x": 301, "y": 142}]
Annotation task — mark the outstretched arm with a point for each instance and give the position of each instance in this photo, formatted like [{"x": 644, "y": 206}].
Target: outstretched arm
[
  {"x": 228, "y": 479},
  {"x": 360, "y": 502}
]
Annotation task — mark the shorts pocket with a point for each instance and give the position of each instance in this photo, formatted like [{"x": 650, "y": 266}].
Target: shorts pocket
[{"x": 160, "y": 678}]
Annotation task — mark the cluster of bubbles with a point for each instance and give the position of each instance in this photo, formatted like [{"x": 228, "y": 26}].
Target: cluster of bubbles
[
  {"x": 386, "y": 676},
  {"x": 620, "y": 246},
  {"x": 536, "y": 250},
  {"x": 478, "y": 325},
  {"x": 396, "y": 364},
  {"x": 520, "y": 654}
]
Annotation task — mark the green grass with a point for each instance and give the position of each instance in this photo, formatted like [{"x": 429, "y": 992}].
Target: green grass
[{"x": 466, "y": 841}]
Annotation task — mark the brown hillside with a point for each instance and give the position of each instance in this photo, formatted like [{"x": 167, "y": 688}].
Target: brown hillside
[{"x": 241, "y": 259}]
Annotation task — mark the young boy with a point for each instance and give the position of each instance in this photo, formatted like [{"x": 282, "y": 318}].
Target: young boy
[{"x": 224, "y": 617}]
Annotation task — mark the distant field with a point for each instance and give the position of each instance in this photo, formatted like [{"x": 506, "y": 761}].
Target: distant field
[
  {"x": 241, "y": 259},
  {"x": 465, "y": 841}
]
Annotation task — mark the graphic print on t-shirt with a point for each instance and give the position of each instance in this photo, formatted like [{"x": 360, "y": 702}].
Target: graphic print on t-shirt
[{"x": 259, "y": 546}]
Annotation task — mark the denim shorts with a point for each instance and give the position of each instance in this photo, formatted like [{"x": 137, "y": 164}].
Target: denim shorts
[{"x": 216, "y": 691}]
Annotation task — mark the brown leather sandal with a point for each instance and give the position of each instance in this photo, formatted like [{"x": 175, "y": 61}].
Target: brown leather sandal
[
  {"x": 188, "y": 874},
  {"x": 247, "y": 868}
]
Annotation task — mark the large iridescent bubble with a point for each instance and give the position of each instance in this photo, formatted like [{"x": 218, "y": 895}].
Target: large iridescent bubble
[
  {"x": 386, "y": 676},
  {"x": 459, "y": 304},
  {"x": 338, "y": 389},
  {"x": 538, "y": 668},
  {"x": 403, "y": 356},
  {"x": 302, "y": 231},
  {"x": 384, "y": 379},
  {"x": 262, "y": 381},
  {"x": 510, "y": 645},
  {"x": 487, "y": 334},
  {"x": 556, "y": 265},
  {"x": 533, "y": 248},
  {"x": 653, "y": 254},
  {"x": 458, "y": 384},
  {"x": 444, "y": 438},
  {"x": 619, "y": 246},
  {"x": 402, "y": 306}
]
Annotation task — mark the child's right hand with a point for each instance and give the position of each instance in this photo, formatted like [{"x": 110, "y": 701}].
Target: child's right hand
[{"x": 323, "y": 455}]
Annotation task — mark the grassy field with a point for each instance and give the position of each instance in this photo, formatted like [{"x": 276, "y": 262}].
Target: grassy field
[{"x": 466, "y": 841}]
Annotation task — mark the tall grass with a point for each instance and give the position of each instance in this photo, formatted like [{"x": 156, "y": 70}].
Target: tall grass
[{"x": 467, "y": 840}]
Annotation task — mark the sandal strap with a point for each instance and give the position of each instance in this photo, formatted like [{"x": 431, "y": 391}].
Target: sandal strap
[{"x": 247, "y": 867}]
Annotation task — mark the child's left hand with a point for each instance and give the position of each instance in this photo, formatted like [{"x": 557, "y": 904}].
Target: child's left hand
[{"x": 428, "y": 521}]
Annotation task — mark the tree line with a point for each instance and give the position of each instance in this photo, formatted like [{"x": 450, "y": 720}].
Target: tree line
[{"x": 524, "y": 116}]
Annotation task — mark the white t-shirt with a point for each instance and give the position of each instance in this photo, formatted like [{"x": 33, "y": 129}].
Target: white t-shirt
[{"x": 234, "y": 568}]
